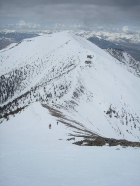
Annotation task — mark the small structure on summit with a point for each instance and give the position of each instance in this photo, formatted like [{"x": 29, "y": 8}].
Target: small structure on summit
[
  {"x": 88, "y": 62},
  {"x": 89, "y": 56}
]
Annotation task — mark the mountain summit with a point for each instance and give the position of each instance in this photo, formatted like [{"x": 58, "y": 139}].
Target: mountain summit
[{"x": 80, "y": 84}]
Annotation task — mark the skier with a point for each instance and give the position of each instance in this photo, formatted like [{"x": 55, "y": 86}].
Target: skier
[
  {"x": 49, "y": 126},
  {"x": 57, "y": 122}
]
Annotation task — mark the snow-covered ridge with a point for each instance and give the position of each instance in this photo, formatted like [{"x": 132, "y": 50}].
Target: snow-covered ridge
[
  {"x": 74, "y": 78},
  {"x": 125, "y": 60}
]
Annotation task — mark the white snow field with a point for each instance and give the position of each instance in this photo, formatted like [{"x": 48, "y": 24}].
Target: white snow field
[{"x": 31, "y": 154}]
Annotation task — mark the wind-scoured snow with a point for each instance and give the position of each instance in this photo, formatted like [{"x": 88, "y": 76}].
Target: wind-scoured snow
[{"x": 77, "y": 79}]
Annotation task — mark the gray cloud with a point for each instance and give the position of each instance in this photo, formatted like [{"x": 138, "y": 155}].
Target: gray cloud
[
  {"x": 86, "y": 12},
  {"x": 120, "y": 3}
]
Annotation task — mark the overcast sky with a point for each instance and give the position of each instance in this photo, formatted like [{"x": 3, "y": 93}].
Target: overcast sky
[{"x": 72, "y": 14}]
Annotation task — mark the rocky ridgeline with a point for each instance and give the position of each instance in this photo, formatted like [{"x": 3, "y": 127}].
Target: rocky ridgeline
[{"x": 100, "y": 141}]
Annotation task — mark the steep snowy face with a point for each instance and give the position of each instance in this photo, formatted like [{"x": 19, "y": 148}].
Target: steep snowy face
[
  {"x": 125, "y": 60},
  {"x": 80, "y": 84}
]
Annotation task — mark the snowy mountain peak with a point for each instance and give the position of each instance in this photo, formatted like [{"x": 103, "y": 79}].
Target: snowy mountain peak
[{"x": 80, "y": 84}]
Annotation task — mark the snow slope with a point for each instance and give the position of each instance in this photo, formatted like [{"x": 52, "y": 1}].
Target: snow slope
[
  {"x": 33, "y": 154},
  {"x": 79, "y": 83},
  {"x": 125, "y": 60}
]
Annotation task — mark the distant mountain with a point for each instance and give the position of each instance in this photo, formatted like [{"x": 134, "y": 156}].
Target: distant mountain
[
  {"x": 104, "y": 44},
  {"x": 7, "y": 38},
  {"x": 112, "y": 36},
  {"x": 132, "y": 49},
  {"x": 80, "y": 84}
]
